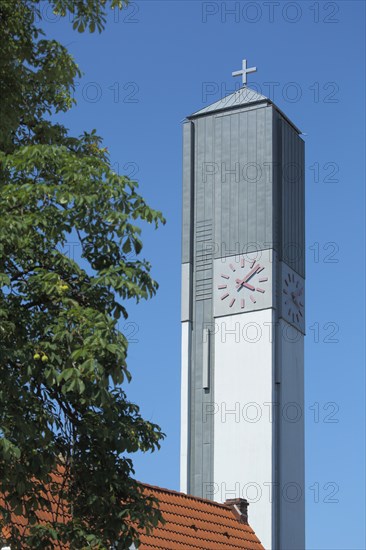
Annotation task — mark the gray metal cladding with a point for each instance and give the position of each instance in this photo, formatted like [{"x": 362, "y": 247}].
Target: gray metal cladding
[
  {"x": 248, "y": 171},
  {"x": 233, "y": 178},
  {"x": 197, "y": 252},
  {"x": 291, "y": 188},
  {"x": 203, "y": 260},
  {"x": 201, "y": 432},
  {"x": 201, "y": 428},
  {"x": 188, "y": 191}
]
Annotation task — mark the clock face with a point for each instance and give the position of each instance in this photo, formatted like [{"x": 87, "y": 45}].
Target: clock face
[
  {"x": 242, "y": 284},
  {"x": 293, "y": 298}
]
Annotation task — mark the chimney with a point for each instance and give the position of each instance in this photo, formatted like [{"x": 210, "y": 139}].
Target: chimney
[{"x": 239, "y": 507}]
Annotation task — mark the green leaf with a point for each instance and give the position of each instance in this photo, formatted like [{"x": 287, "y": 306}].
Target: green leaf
[{"x": 68, "y": 224}]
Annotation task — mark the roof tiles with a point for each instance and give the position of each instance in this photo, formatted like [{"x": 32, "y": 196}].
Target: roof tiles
[
  {"x": 191, "y": 523},
  {"x": 195, "y": 523}
]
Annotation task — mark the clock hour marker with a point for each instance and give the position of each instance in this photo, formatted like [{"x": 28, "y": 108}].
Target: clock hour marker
[
  {"x": 300, "y": 312},
  {"x": 253, "y": 299},
  {"x": 260, "y": 268},
  {"x": 293, "y": 317},
  {"x": 286, "y": 283},
  {"x": 297, "y": 284},
  {"x": 224, "y": 296},
  {"x": 252, "y": 264},
  {"x": 289, "y": 311},
  {"x": 232, "y": 267},
  {"x": 297, "y": 317},
  {"x": 225, "y": 276},
  {"x": 220, "y": 287},
  {"x": 260, "y": 290},
  {"x": 242, "y": 304},
  {"x": 285, "y": 291},
  {"x": 263, "y": 279},
  {"x": 242, "y": 262},
  {"x": 232, "y": 302}
]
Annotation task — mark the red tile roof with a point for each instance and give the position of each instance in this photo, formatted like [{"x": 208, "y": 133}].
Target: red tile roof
[
  {"x": 58, "y": 512},
  {"x": 190, "y": 523},
  {"x": 195, "y": 523}
]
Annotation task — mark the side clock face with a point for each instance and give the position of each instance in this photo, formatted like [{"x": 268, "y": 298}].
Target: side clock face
[
  {"x": 293, "y": 299},
  {"x": 241, "y": 285}
]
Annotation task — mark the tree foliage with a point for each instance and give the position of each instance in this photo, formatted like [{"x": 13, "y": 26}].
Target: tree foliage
[{"x": 63, "y": 367}]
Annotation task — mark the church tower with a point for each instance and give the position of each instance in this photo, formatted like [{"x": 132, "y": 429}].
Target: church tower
[{"x": 243, "y": 312}]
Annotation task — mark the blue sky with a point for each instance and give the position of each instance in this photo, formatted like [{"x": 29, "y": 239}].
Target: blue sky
[{"x": 160, "y": 61}]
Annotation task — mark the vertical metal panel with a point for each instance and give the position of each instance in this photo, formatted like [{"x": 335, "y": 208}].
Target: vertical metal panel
[
  {"x": 196, "y": 400},
  {"x": 293, "y": 194},
  {"x": 252, "y": 187},
  {"x": 233, "y": 175},
  {"x": 206, "y": 359},
  {"x": 208, "y": 185},
  {"x": 200, "y": 125},
  {"x": 260, "y": 176},
  {"x": 201, "y": 433},
  {"x": 302, "y": 201},
  {"x": 277, "y": 182},
  {"x": 207, "y": 476},
  {"x": 243, "y": 184},
  {"x": 207, "y": 398},
  {"x": 243, "y": 188},
  {"x": 269, "y": 177},
  {"x": 225, "y": 185},
  {"x": 217, "y": 184},
  {"x": 188, "y": 190},
  {"x": 286, "y": 191},
  {"x": 203, "y": 252}
]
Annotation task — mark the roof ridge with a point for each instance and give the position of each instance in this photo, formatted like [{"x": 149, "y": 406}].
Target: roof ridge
[{"x": 187, "y": 496}]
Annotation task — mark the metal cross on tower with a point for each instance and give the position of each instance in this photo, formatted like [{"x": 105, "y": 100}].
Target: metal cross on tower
[{"x": 244, "y": 71}]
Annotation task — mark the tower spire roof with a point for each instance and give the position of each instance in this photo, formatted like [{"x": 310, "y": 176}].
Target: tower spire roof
[{"x": 241, "y": 98}]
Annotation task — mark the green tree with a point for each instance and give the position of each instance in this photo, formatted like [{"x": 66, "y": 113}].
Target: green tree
[{"x": 62, "y": 358}]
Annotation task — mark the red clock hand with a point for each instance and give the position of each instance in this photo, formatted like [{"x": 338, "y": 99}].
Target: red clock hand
[
  {"x": 295, "y": 295},
  {"x": 248, "y": 275},
  {"x": 247, "y": 285}
]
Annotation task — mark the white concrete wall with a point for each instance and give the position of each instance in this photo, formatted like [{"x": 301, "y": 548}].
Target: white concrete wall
[
  {"x": 185, "y": 292},
  {"x": 243, "y": 427},
  {"x": 184, "y": 425}
]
